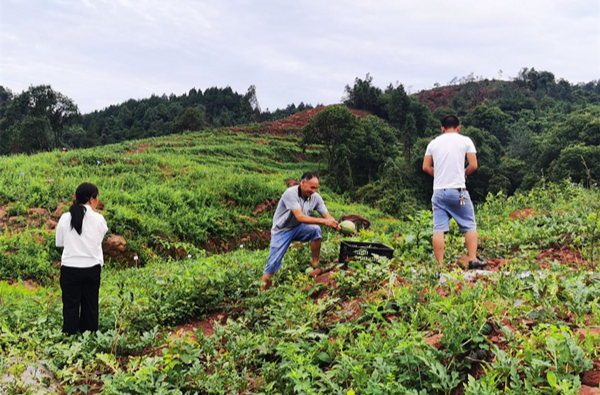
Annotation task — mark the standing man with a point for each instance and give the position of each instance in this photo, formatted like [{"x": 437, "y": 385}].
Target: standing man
[
  {"x": 450, "y": 197},
  {"x": 293, "y": 222}
]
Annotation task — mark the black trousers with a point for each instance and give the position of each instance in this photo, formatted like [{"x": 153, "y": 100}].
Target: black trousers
[{"x": 80, "y": 290}]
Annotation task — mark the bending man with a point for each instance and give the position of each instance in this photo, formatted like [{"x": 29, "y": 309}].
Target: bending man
[
  {"x": 293, "y": 222},
  {"x": 450, "y": 196}
]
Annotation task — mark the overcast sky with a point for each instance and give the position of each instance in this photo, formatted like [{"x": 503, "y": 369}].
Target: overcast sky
[{"x": 102, "y": 52}]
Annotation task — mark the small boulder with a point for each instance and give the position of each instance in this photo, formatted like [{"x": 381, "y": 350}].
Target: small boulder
[
  {"x": 51, "y": 224},
  {"x": 585, "y": 390},
  {"x": 37, "y": 211},
  {"x": 114, "y": 247},
  {"x": 591, "y": 378},
  {"x": 59, "y": 210}
]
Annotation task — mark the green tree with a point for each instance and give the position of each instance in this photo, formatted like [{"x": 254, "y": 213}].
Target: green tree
[
  {"x": 370, "y": 148},
  {"x": 38, "y": 103},
  {"x": 580, "y": 163},
  {"x": 590, "y": 134},
  {"x": 364, "y": 96},
  {"x": 193, "y": 119},
  {"x": 514, "y": 170},
  {"x": 521, "y": 141},
  {"x": 35, "y": 134},
  {"x": 73, "y": 136},
  {"x": 357, "y": 148},
  {"x": 442, "y": 112},
  {"x": 491, "y": 118},
  {"x": 331, "y": 127},
  {"x": 125, "y": 117},
  {"x": 488, "y": 156},
  {"x": 6, "y": 96},
  {"x": 394, "y": 192},
  {"x": 90, "y": 139}
]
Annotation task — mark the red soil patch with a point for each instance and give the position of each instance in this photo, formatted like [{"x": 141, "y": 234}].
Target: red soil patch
[
  {"x": 442, "y": 97},
  {"x": 59, "y": 210},
  {"x": 33, "y": 218},
  {"x": 139, "y": 149},
  {"x": 290, "y": 125},
  {"x": 522, "y": 214},
  {"x": 37, "y": 211},
  {"x": 349, "y": 310},
  {"x": 266, "y": 205},
  {"x": 260, "y": 239},
  {"x": 496, "y": 264},
  {"x": 166, "y": 171},
  {"x": 496, "y": 336},
  {"x": 564, "y": 255},
  {"x": 249, "y": 219},
  {"x": 583, "y": 333},
  {"x": 207, "y": 325},
  {"x": 434, "y": 340},
  {"x": 585, "y": 390},
  {"x": 290, "y": 182},
  {"x": 30, "y": 285},
  {"x": 326, "y": 280}
]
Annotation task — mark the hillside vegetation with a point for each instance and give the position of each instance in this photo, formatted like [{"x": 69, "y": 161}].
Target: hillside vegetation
[
  {"x": 169, "y": 197},
  {"x": 189, "y": 218},
  {"x": 198, "y": 325}
]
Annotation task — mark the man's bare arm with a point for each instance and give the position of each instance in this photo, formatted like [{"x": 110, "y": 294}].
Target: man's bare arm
[
  {"x": 472, "y": 159},
  {"x": 307, "y": 219},
  {"x": 428, "y": 165}
]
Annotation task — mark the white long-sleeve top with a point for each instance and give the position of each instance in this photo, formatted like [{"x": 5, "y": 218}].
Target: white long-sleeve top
[{"x": 83, "y": 250}]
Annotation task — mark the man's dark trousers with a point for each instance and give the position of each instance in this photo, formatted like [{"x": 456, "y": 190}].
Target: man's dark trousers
[{"x": 80, "y": 290}]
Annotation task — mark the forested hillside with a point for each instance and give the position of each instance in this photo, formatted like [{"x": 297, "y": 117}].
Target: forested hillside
[
  {"x": 530, "y": 130},
  {"x": 42, "y": 119}
]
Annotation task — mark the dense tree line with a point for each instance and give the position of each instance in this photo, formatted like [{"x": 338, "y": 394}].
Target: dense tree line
[
  {"x": 41, "y": 119},
  {"x": 527, "y": 131},
  {"x": 35, "y": 120},
  {"x": 532, "y": 129},
  {"x": 288, "y": 111},
  {"x": 162, "y": 115}
]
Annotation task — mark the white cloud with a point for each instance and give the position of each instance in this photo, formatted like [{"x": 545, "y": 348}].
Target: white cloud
[{"x": 101, "y": 52}]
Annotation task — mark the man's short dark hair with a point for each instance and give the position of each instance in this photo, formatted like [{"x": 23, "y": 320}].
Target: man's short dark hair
[
  {"x": 450, "y": 122},
  {"x": 308, "y": 176}
]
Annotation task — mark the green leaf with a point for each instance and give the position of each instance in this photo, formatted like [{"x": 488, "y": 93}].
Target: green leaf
[
  {"x": 324, "y": 357},
  {"x": 551, "y": 376}
]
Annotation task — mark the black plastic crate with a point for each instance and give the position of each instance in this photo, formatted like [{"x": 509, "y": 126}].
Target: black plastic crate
[{"x": 357, "y": 250}]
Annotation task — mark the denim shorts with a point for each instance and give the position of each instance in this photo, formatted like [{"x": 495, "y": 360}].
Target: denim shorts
[
  {"x": 280, "y": 243},
  {"x": 446, "y": 205}
]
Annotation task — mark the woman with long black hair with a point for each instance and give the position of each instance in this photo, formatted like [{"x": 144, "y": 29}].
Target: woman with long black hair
[{"x": 80, "y": 232}]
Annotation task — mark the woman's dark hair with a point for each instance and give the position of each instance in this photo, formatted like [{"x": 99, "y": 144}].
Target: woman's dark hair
[{"x": 83, "y": 194}]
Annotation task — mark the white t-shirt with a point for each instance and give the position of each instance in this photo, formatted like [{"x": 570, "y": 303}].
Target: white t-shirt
[
  {"x": 449, "y": 151},
  {"x": 83, "y": 250}
]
